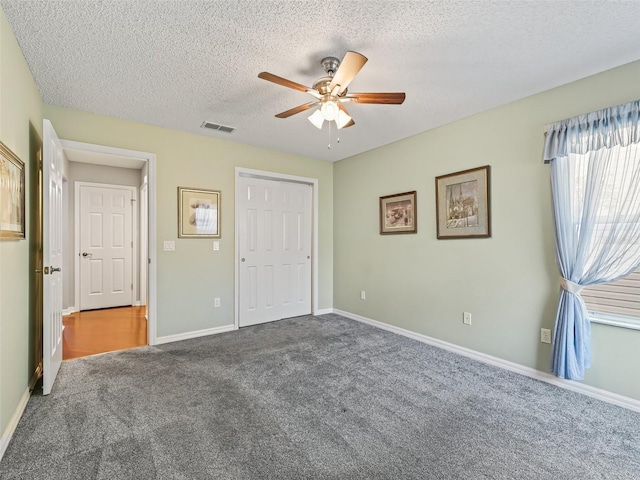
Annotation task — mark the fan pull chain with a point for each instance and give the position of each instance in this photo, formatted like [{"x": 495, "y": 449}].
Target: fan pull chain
[{"x": 330, "y": 136}]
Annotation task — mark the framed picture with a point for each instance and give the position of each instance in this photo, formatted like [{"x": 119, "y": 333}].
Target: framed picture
[
  {"x": 398, "y": 213},
  {"x": 11, "y": 195},
  {"x": 198, "y": 213},
  {"x": 463, "y": 204}
]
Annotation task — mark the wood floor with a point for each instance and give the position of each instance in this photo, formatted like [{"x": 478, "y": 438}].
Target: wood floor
[{"x": 99, "y": 331}]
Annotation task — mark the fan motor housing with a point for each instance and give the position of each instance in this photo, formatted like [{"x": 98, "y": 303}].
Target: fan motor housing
[
  {"x": 330, "y": 65},
  {"x": 322, "y": 86}
]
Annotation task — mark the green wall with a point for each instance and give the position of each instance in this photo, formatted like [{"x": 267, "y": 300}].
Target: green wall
[
  {"x": 191, "y": 277},
  {"x": 20, "y": 129},
  {"x": 508, "y": 282}
]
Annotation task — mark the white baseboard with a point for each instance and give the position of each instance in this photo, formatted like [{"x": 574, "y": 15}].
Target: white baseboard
[
  {"x": 323, "y": 311},
  {"x": 13, "y": 423},
  {"x": 195, "y": 334},
  {"x": 598, "y": 393}
]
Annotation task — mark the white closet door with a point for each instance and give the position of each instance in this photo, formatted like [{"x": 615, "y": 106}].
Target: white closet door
[{"x": 274, "y": 231}]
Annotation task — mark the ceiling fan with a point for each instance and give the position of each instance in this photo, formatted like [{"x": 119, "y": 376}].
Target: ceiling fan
[{"x": 331, "y": 93}]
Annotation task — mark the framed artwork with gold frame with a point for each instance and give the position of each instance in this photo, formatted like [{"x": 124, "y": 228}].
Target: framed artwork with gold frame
[
  {"x": 198, "y": 213},
  {"x": 12, "y": 213},
  {"x": 463, "y": 204},
  {"x": 398, "y": 213}
]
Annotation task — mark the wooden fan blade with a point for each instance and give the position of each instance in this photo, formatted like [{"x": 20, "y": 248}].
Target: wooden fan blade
[
  {"x": 348, "y": 69},
  {"x": 298, "y": 109},
  {"x": 349, "y": 124},
  {"x": 383, "y": 98},
  {"x": 270, "y": 77},
  {"x": 343, "y": 108}
]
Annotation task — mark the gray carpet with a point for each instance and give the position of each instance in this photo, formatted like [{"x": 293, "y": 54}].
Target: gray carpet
[{"x": 313, "y": 398}]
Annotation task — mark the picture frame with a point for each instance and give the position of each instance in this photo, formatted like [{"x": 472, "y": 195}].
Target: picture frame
[
  {"x": 198, "y": 213},
  {"x": 463, "y": 204},
  {"x": 398, "y": 213},
  {"x": 12, "y": 195}
]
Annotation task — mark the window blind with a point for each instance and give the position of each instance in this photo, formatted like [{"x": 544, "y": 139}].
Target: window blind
[{"x": 620, "y": 298}]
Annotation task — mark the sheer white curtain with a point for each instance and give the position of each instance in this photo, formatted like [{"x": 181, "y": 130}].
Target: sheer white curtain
[{"x": 595, "y": 179}]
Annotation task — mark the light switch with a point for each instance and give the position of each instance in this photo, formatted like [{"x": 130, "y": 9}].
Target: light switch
[
  {"x": 216, "y": 245},
  {"x": 169, "y": 245}
]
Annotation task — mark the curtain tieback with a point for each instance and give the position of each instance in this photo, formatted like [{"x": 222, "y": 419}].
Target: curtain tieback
[{"x": 570, "y": 287}]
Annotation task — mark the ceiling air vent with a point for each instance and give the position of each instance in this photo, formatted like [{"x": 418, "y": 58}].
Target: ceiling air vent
[{"x": 215, "y": 126}]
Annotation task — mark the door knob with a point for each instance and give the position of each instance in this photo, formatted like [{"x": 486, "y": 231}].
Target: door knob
[
  {"x": 85, "y": 254},
  {"x": 242, "y": 259},
  {"x": 54, "y": 269}
]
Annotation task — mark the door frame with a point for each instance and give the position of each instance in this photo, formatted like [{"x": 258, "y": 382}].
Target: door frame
[
  {"x": 277, "y": 177},
  {"x": 144, "y": 243},
  {"x": 135, "y": 227},
  {"x": 150, "y": 159}
]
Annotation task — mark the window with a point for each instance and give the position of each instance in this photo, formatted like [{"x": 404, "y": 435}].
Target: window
[
  {"x": 595, "y": 186},
  {"x": 616, "y": 303}
]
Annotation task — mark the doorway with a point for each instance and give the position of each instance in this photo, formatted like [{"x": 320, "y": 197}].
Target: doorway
[
  {"x": 107, "y": 249},
  {"x": 92, "y": 164}
]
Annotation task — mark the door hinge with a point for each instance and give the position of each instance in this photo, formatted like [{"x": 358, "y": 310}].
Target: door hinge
[{"x": 132, "y": 286}]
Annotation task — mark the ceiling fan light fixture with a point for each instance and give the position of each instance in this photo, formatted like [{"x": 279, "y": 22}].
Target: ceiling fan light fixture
[
  {"x": 330, "y": 92},
  {"x": 342, "y": 119},
  {"x": 329, "y": 110},
  {"x": 317, "y": 119}
]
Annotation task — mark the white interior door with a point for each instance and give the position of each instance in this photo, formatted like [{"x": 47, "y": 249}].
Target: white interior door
[
  {"x": 106, "y": 246},
  {"x": 274, "y": 233},
  {"x": 52, "y": 156}
]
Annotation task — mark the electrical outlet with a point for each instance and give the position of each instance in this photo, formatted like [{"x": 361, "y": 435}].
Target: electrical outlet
[
  {"x": 545, "y": 335},
  {"x": 363, "y": 295},
  {"x": 216, "y": 302},
  {"x": 216, "y": 245},
  {"x": 466, "y": 318},
  {"x": 169, "y": 245}
]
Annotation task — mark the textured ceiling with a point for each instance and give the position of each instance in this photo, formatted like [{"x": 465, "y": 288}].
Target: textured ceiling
[{"x": 178, "y": 63}]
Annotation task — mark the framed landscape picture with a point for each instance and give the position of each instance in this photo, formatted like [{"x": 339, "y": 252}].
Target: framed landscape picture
[
  {"x": 463, "y": 207},
  {"x": 398, "y": 213},
  {"x": 198, "y": 213},
  {"x": 12, "y": 214}
]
